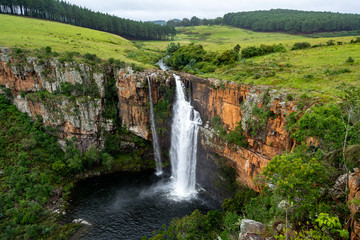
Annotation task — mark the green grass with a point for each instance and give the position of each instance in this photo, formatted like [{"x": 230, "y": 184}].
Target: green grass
[
  {"x": 315, "y": 71},
  {"x": 220, "y": 38},
  {"x": 29, "y": 33}
]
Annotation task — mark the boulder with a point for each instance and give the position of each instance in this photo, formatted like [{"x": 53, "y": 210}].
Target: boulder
[{"x": 251, "y": 230}]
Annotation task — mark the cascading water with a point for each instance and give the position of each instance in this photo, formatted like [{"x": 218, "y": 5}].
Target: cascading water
[
  {"x": 184, "y": 134},
  {"x": 156, "y": 145}
]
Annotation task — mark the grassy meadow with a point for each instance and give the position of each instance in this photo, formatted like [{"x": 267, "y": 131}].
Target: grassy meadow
[
  {"x": 220, "y": 38},
  {"x": 314, "y": 71},
  {"x": 29, "y": 33}
]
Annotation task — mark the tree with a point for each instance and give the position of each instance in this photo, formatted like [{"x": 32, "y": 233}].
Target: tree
[
  {"x": 237, "y": 48},
  {"x": 194, "y": 21}
]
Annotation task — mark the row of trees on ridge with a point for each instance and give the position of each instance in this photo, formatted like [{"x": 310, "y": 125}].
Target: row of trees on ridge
[{"x": 61, "y": 11}]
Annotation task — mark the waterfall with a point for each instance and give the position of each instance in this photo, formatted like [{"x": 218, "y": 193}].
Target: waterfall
[
  {"x": 184, "y": 134},
  {"x": 155, "y": 140}
]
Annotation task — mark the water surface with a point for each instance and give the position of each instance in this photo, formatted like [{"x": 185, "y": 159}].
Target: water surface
[{"x": 128, "y": 205}]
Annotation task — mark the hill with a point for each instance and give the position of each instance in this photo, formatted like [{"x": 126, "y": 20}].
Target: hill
[
  {"x": 29, "y": 33},
  {"x": 283, "y": 20},
  {"x": 318, "y": 70},
  {"x": 62, "y": 11},
  {"x": 293, "y": 21}
]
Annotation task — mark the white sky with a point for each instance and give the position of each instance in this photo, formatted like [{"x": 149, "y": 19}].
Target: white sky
[{"x": 169, "y": 9}]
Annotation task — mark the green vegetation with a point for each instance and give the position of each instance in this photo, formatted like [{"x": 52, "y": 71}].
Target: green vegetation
[
  {"x": 302, "y": 71},
  {"x": 277, "y": 20},
  {"x": 17, "y": 32},
  {"x": 320, "y": 24},
  {"x": 235, "y": 136},
  {"x": 295, "y": 189},
  {"x": 162, "y": 108},
  {"x": 61, "y": 11},
  {"x": 221, "y": 38},
  {"x": 34, "y": 172}
]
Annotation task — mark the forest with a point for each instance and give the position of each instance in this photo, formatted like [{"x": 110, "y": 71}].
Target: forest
[
  {"x": 64, "y": 12},
  {"x": 281, "y": 20}
]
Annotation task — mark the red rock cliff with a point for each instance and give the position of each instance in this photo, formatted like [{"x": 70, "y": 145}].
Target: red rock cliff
[{"x": 234, "y": 104}]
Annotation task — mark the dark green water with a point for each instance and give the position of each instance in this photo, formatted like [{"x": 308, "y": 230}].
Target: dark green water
[{"x": 128, "y": 205}]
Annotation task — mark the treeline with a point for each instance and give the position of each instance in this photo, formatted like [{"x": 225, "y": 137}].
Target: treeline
[
  {"x": 64, "y": 12},
  {"x": 293, "y": 21},
  {"x": 194, "y": 21},
  {"x": 281, "y": 20}
]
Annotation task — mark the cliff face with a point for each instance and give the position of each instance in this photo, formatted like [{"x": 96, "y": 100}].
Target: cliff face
[
  {"x": 233, "y": 103},
  {"x": 260, "y": 111},
  {"x": 37, "y": 90},
  {"x": 133, "y": 94}
]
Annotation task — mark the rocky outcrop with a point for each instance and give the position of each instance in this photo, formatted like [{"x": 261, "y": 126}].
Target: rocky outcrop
[
  {"x": 36, "y": 86},
  {"x": 133, "y": 94},
  {"x": 354, "y": 203},
  {"x": 232, "y": 102},
  {"x": 38, "y": 89},
  {"x": 235, "y": 104}
]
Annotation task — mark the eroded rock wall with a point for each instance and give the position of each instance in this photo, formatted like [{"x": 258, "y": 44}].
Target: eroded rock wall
[
  {"x": 37, "y": 90},
  {"x": 36, "y": 85},
  {"x": 234, "y": 103}
]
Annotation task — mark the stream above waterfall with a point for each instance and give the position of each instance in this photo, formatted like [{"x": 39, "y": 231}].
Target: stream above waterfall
[{"x": 128, "y": 205}]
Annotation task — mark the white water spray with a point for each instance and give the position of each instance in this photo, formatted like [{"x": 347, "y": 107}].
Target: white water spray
[
  {"x": 155, "y": 142},
  {"x": 184, "y": 136}
]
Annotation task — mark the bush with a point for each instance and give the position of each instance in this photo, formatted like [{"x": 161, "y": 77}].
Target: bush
[
  {"x": 182, "y": 56},
  {"x": 250, "y": 52},
  {"x": 301, "y": 45},
  {"x": 236, "y": 137},
  {"x": 48, "y": 50},
  {"x": 350, "y": 60},
  {"x": 107, "y": 160},
  {"x": 227, "y": 57}
]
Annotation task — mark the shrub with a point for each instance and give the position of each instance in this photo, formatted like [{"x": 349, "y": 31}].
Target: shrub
[
  {"x": 107, "y": 160},
  {"x": 350, "y": 60},
  {"x": 48, "y": 50},
  {"x": 227, "y": 57},
  {"x": 301, "y": 45},
  {"x": 236, "y": 137}
]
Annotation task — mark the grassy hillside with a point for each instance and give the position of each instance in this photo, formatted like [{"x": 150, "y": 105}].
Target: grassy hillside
[
  {"x": 315, "y": 71},
  {"x": 217, "y": 38},
  {"x": 31, "y": 33}
]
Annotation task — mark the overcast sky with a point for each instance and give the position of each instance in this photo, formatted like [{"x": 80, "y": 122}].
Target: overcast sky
[{"x": 169, "y": 9}]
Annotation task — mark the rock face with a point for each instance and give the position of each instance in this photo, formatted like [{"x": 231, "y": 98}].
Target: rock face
[
  {"x": 353, "y": 202},
  {"x": 133, "y": 94},
  {"x": 235, "y": 104},
  {"x": 36, "y": 85},
  {"x": 38, "y": 90}
]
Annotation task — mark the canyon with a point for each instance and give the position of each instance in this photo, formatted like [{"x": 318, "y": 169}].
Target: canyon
[
  {"x": 257, "y": 113},
  {"x": 81, "y": 118}
]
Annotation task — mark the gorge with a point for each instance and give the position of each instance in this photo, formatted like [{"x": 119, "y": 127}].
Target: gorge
[
  {"x": 81, "y": 118},
  {"x": 228, "y": 123}
]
